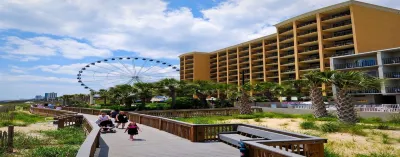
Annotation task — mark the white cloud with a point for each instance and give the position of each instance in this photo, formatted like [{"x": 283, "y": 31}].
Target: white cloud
[
  {"x": 150, "y": 28},
  {"x": 19, "y": 58},
  {"x": 34, "y": 78},
  {"x": 45, "y": 46}
]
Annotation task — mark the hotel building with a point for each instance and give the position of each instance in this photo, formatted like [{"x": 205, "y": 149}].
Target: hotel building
[{"x": 301, "y": 44}]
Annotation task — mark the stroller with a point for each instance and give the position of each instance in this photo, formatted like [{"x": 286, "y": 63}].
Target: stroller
[{"x": 108, "y": 126}]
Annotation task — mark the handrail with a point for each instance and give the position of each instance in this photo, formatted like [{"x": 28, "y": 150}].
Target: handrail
[
  {"x": 258, "y": 148},
  {"x": 91, "y": 142}
]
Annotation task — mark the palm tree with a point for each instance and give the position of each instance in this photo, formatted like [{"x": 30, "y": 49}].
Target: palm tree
[
  {"x": 169, "y": 86},
  {"x": 104, "y": 94},
  {"x": 267, "y": 89},
  {"x": 244, "y": 99},
  {"x": 203, "y": 89},
  {"x": 345, "y": 82},
  {"x": 144, "y": 91},
  {"x": 124, "y": 91},
  {"x": 313, "y": 81},
  {"x": 226, "y": 92}
]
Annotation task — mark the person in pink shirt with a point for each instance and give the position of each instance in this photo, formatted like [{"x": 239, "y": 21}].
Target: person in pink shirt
[{"x": 132, "y": 129}]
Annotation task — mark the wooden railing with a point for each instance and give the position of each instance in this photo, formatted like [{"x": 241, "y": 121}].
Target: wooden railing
[
  {"x": 7, "y": 139},
  {"x": 195, "y": 113},
  {"x": 92, "y": 141},
  {"x": 304, "y": 146}
]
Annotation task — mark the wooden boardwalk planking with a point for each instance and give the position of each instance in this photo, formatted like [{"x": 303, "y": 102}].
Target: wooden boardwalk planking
[{"x": 155, "y": 143}]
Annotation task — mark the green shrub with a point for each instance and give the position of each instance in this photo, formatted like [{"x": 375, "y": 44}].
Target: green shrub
[
  {"x": 308, "y": 125},
  {"x": 60, "y": 151},
  {"x": 25, "y": 141},
  {"x": 257, "y": 120},
  {"x": 330, "y": 127},
  {"x": 355, "y": 130},
  {"x": 371, "y": 120},
  {"x": 395, "y": 118},
  {"x": 222, "y": 103},
  {"x": 70, "y": 135},
  {"x": 184, "y": 103},
  {"x": 329, "y": 153},
  {"x": 157, "y": 106},
  {"x": 382, "y": 126},
  {"x": 381, "y": 154}
]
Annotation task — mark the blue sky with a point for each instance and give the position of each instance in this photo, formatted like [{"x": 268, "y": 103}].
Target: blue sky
[{"x": 43, "y": 44}]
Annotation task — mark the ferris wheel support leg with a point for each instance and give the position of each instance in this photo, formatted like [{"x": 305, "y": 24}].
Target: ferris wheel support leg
[{"x": 91, "y": 99}]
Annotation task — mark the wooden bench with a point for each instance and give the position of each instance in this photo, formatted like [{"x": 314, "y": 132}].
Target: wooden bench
[{"x": 244, "y": 133}]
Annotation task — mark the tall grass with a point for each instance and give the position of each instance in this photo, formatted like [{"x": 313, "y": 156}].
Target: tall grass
[
  {"x": 21, "y": 119},
  {"x": 70, "y": 136},
  {"x": 54, "y": 151},
  {"x": 308, "y": 125}
]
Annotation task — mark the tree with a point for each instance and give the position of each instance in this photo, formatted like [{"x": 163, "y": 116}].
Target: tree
[
  {"x": 169, "y": 86},
  {"x": 124, "y": 91},
  {"x": 348, "y": 81},
  {"x": 144, "y": 91},
  {"x": 203, "y": 89},
  {"x": 226, "y": 91},
  {"x": 244, "y": 99},
  {"x": 267, "y": 89},
  {"x": 104, "y": 94},
  {"x": 313, "y": 81}
]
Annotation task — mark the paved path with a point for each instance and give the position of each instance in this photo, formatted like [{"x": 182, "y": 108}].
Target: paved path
[{"x": 155, "y": 143}]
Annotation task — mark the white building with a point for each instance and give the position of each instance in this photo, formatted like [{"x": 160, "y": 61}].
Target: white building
[{"x": 384, "y": 64}]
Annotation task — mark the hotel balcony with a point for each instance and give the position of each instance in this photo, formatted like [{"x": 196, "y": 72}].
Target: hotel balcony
[
  {"x": 309, "y": 50},
  {"x": 339, "y": 35},
  {"x": 365, "y": 63},
  {"x": 392, "y": 60},
  {"x": 289, "y": 62},
  {"x": 310, "y": 59},
  {"x": 271, "y": 69},
  {"x": 286, "y": 30},
  {"x": 288, "y": 71},
  {"x": 287, "y": 47},
  {"x": 274, "y": 55},
  {"x": 286, "y": 39},
  {"x": 308, "y": 41},
  {"x": 343, "y": 53},
  {"x": 392, "y": 75},
  {"x": 308, "y": 33},
  {"x": 275, "y": 62},
  {"x": 256, "y": 47},
  {"x": 259, "y": 53},
  {"x": 271, "y": 50},
  {"x": 392, "y": 89},
  {"x": 310, "y": 68},
  {"x": 337, "y": 17},
  {"x": 307, "y": 25},
  {"x": 270, "y": 43},
  {"x": 342, "y": 25},
  {"x": 340, "y": 45},
  {"x": 287, "y": 54}
]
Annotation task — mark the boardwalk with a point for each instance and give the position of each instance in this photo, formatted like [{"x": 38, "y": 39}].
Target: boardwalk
[{"x": 154, "y": 143}]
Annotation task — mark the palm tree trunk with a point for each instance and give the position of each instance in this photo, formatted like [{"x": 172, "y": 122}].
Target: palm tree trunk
[
  {"x": 173, "y": 98},
  {"x": 318, "y": 104},
  {"x": 345, "y": 107},
  {"x": 244, "y": 104}
]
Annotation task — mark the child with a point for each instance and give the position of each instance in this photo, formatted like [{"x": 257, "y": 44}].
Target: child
[{"x": 132, "y": 130}]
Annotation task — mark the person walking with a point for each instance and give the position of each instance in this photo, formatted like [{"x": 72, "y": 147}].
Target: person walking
[
  {"x": 121, "y": 118},
  {"x": 132, "y": 129}
]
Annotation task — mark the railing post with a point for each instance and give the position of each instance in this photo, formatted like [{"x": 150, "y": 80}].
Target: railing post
[
  {"x": 92, "y": 112},
  {"x": 60, "y": 123},
  {"x": 78, "y": 120},
  {"x": 159, "y": 124},
  {"x": 10, "y": 139},
  {"x": 140, "y": 120}
]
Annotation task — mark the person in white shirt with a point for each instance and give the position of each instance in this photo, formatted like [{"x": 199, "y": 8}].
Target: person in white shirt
[{"x": 104, "y": 120}]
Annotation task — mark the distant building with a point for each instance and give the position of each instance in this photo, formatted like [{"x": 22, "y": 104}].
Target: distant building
[
  {"x": 38, "y": 97},
  {"x": 50, "y": 96}
]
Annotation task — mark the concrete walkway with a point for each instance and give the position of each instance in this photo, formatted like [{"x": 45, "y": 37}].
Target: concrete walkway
[{"x": 155, "y": 143}]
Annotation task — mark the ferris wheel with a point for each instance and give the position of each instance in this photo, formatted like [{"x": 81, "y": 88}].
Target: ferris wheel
[{"x": 106, "y": 73}]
